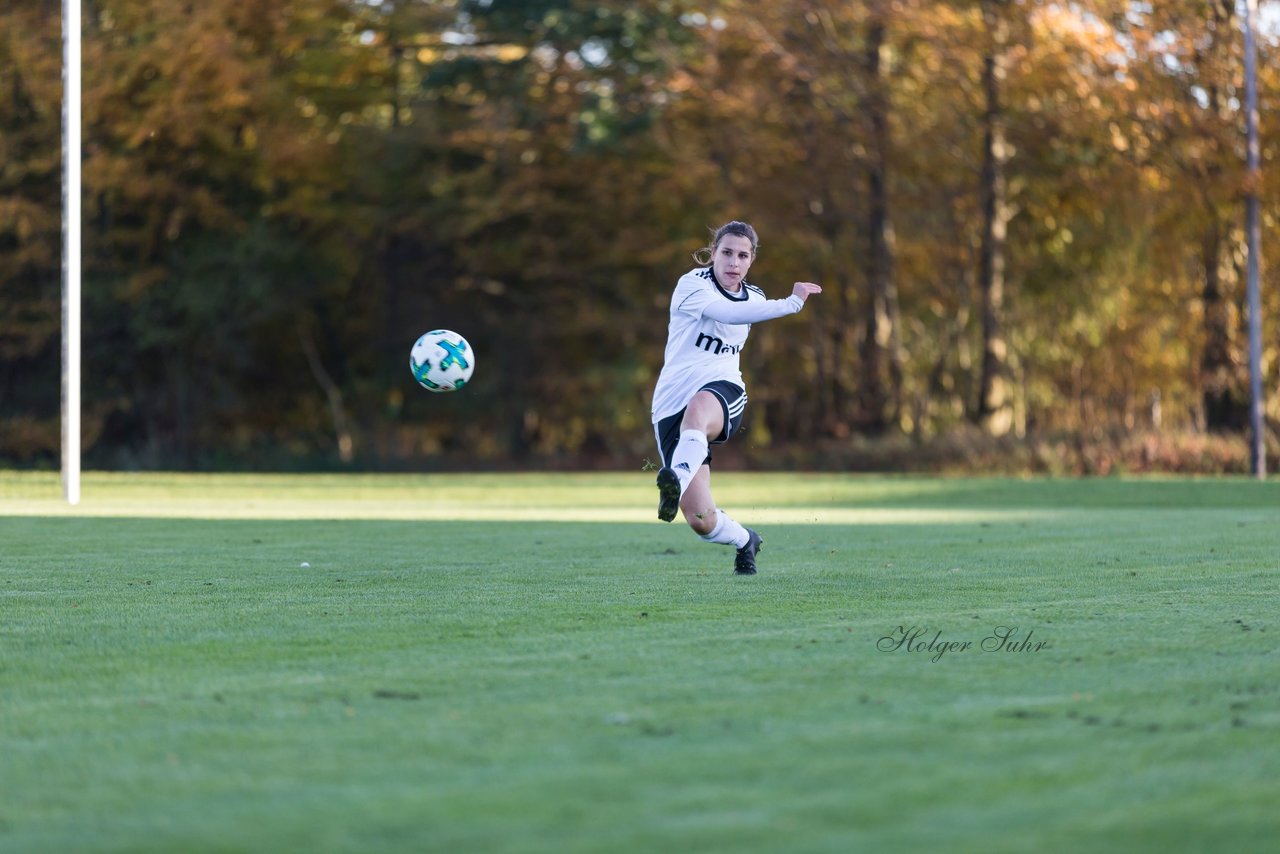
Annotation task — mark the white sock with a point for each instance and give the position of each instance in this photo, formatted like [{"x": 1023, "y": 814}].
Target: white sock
[
  {"x": 727, "y": 532},
  {"x": 689, "y": 454}
]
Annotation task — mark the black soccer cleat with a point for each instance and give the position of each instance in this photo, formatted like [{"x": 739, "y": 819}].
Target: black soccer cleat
[
  {"x": 668, "y": 494},
  {"x": 745, "y": 561}
]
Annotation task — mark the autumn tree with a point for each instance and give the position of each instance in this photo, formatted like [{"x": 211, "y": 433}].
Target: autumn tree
[
  {"x": 1188, "y": 61},
  {"x": 30, "y": 236},
  {"x": 210, "y": 226}
]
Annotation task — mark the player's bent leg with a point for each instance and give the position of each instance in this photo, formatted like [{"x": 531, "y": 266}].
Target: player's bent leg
[
  {"x": 702, "y": 422},
  {"x": 698, "y": 506}
]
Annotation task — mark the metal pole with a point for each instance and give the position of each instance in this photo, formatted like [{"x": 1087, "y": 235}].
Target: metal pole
[
  {"x": 71, "y": 154},
  {"x": 1253, "y": 234}
]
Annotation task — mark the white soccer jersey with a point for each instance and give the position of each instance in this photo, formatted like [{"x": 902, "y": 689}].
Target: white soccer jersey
[{"x": 708, "y": 329}]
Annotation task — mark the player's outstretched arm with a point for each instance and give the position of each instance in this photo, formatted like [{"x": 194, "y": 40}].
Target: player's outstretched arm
[{"x": 757, "y": 312}]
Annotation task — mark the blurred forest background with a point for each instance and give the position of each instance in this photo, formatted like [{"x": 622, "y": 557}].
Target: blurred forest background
[{"x": 1027, "y": 217}]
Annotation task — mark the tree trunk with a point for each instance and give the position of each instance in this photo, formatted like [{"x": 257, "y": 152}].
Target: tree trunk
[
  {"x": 343, "y": 439},
  {"x": 994, "y": 411},
  {"x": 1223, "y": 382},
  {"x": 1226, "y": 406},
  {"x": 880, "y": 392}
]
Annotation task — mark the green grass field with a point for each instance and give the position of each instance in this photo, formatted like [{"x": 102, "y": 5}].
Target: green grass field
[{"x": 532, "y": 663}]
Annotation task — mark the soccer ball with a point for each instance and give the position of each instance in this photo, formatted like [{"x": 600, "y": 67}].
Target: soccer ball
[{"x": 442, "y": 361}]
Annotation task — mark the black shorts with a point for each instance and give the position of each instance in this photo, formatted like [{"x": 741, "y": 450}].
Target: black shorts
[{"x": 733, "y": 399}]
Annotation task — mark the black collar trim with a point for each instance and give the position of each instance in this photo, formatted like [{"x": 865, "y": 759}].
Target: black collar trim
[{"x": 740, "y": 296}]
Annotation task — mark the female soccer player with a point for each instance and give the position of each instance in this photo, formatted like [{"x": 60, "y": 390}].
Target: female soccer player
[{"x": 700, "y": 395}]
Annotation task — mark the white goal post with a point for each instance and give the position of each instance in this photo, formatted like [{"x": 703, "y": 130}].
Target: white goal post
[{"x": 71, "y": 154}]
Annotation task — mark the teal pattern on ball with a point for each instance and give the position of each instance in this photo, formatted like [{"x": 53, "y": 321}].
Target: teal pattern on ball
[{"x": 455, "y": 355}]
